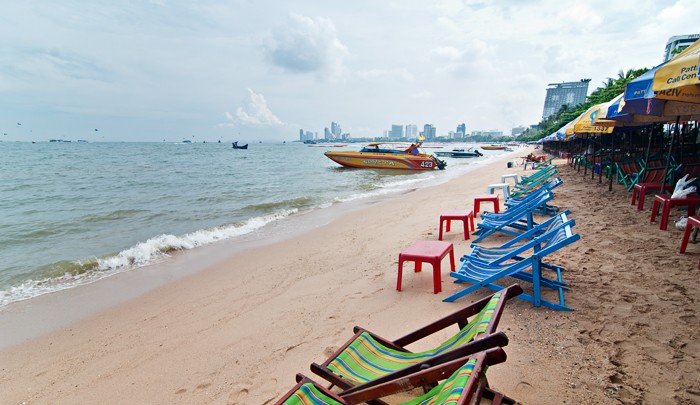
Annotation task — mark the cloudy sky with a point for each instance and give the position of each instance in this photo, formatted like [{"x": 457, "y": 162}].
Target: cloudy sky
[{"x": 262, "y": 70}]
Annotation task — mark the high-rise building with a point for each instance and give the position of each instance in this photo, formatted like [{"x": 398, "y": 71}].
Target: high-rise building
[
  {"x": 335, "y": 130},
  {"x": 677, "y": 44},
  {"x": 461, "y": 130},
  {"x": 570, "y": 93},
  {"x": 306, "y": 135},
  {"x": 396, "y": 131},
  {"x": 411, "y": 131},
  {"x": 429, "y": 131}
]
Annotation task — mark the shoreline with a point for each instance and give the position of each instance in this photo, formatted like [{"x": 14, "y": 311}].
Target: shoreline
[
  {"x": 31, "y": 318},
  {"x": 238, "y": 332}
]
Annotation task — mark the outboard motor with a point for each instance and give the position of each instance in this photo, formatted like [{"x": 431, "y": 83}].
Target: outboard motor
[{"x": 441, "y": 164}]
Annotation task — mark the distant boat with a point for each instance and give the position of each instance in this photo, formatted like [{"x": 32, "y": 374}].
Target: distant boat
[
  {"x": 387, "y": 155},
  {"x": 237, "y": 146},
  {"x": 460, "y": 153},
  {"x": 186, "y": 141},
  {"x": 493, "y": 147}
]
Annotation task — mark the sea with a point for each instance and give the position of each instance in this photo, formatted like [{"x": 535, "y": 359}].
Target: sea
[{"x": 72, "y": 213}]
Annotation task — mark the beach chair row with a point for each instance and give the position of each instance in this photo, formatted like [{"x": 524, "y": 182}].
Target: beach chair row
[{"x": 522, "y": 257}]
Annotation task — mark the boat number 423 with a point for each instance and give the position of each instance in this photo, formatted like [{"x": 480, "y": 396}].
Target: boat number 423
[{"x": 426, "y": 164}]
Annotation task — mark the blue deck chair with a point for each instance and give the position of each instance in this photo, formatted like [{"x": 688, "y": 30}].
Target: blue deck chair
[
  {"x": 516, "y": 248},
  {"x": 542, "y": 173},
  {"x": 520, "y": 191},
  {"x": 516, "y": 219},
  {"x": 545, "y": 209},
  {"x": 483, "y": 273},
  {"x": 526, "y": 240}
]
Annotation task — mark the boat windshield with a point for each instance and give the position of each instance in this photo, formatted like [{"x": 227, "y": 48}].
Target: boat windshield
[{"x": 378, "y": 148}]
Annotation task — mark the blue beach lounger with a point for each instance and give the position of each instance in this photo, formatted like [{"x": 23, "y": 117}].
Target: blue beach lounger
[
  {"x": 515, "y": 220},
  {"x": 515, "y": 263},
  {"x": 545, "y": 209}
]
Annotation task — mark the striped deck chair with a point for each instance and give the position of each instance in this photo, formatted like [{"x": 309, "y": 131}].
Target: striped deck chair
[
  {"x": 691, "y": 169},
  {"x": 368, "y": 359},
  {"x": 522, "y": 243},
  {"x": 545, "y": 209},
  {"x": 652, "y": 174},
  {"x": 484, "y": 273},
  {"x": 465, "y": 384},
  {"x": 515, "y": 220},
  {"x": 626, "y": 172},
  {"x": 520, "y": 189},
  {"x": 542, "y": 174}
]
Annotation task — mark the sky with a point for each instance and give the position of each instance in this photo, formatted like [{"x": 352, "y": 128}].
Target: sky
[{"x": 119, "y": 70}]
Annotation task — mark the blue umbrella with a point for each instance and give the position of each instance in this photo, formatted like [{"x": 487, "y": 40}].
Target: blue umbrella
[{"x": 639, "y": 97}]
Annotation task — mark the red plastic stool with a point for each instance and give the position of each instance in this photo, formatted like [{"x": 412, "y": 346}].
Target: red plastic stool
[
  {"x": 640, "y": 191},
  {"x": 693, "y": 221},
  {"x": 428, "y": 251},
  {"x": 486, "y": 197},
  {"x": 465, "y": 216},
  {"x": 666, "y": 203}
]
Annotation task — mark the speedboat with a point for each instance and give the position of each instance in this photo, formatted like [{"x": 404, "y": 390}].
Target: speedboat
[
  {"x": 493, "y": 147},
  {"x": 460, "y": 153},
  {"x": 387, "y": 155}
]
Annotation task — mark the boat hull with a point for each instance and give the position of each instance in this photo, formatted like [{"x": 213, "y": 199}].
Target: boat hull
[
  {"x": 492, "y": 147},
  {"x": 366, "y": 160},
  {"x": 459, "y": 154}
]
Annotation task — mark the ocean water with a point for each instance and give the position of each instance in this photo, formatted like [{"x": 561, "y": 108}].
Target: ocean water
[{"x": 73, "y": 213}]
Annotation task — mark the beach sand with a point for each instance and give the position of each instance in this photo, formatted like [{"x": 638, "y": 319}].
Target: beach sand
[{"x": 240, "y": 330}]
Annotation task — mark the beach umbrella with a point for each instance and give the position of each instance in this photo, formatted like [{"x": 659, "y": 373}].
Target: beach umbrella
[
  {"x": 584, "y": 124},
  {"x": 678, "y": 78},
  {"x": 549, "y": 138}
]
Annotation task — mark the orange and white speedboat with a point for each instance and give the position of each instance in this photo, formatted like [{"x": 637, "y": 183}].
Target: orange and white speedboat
[{"x": 387, "y": 155}]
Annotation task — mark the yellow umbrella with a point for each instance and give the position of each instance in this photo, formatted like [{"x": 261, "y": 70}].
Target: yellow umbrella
[
  {"x": 601, "y": 114},
  {"x": 583, "y": 124},
  {"x": 678, "y": 78},
  {"x": 680, "y": 71}
]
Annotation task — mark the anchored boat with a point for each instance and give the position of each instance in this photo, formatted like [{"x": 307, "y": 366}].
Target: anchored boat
[
  {"x": 387, "y": 155},
  {"x": 460, "y": 153}
]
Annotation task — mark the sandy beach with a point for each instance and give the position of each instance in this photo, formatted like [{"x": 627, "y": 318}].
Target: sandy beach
[{"x": 238, "y": 331}]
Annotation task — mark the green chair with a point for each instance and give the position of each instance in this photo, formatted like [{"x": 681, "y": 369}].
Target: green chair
[
  {"x": 465, "y": 384},
  {"x": 367, "y": 358}
]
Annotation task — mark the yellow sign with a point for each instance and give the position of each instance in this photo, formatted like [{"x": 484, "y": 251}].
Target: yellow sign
[
  {"x": 680, "y": 71},
  {"x": 583, "y": 124},
  {"x": 688, "y": 94}
]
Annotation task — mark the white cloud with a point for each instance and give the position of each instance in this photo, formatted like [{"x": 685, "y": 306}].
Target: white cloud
[
  {"x": 254, "y": 112},
  {"x": 381, "y": 74},
  {"x": 160, "y": 66},
  {"x": 307, "y": 45}
]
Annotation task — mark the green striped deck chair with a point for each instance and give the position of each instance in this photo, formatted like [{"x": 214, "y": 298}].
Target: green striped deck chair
[
  {"x": 368, "y": 358},
  {"x": 465, "y": 385}
]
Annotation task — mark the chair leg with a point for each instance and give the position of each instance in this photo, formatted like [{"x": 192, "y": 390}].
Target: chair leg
[{"x": 686, "y": 237}]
